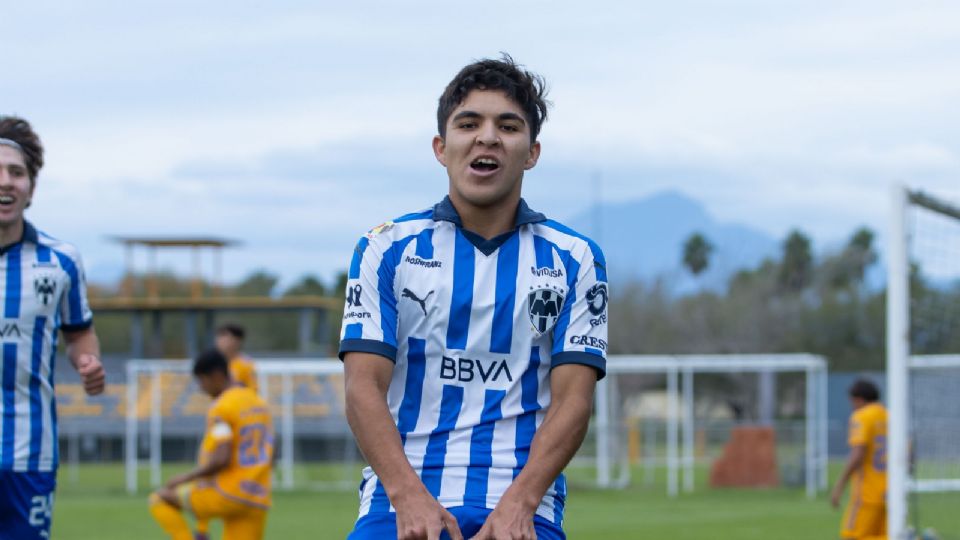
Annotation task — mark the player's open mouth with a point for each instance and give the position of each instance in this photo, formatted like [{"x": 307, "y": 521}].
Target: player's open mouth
[
  {"x": 484, "y": 165},
  {"x": 6, "y": 200}
]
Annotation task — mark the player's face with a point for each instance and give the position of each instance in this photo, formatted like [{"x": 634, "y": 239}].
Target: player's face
[
  {"x": 228, "y": 345},
  {"x": 212, "y": 384},
  {"x": 857, "y": 403},
  {"x": 16, "y": 189},
  {"x": 486, "y": 150}
]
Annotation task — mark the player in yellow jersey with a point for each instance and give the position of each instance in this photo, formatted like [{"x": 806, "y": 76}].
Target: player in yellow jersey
[
  {"x": 233, "y": 482},
  {"x": 866, "y": 515},
  {"x": 229, "y": 341}
]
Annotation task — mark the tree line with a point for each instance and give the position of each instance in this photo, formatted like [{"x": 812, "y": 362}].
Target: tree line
[{"x": 795, "y": 302}]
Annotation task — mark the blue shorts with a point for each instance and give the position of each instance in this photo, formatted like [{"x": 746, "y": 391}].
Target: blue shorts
[
  {"x": 381, "y": 525},
  {"x": 26, "y": 504}
]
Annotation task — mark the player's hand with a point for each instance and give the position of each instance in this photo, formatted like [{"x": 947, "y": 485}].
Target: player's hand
[
  {"x": 508, "y": 521},
  {"x": 835, "y": 496},
  {"x": 91, "y": 373},
  {"x": 421, "y": 517},
  {"x": 176, "y": 481}
]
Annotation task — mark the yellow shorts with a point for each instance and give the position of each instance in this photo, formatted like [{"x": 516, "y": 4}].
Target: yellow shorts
[
  {"x": 241, "y": 521},
  {"x": 863, "y": 521}
]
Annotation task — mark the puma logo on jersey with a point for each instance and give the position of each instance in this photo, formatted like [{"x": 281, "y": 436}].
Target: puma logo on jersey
[{"x": 407, "y": 293}]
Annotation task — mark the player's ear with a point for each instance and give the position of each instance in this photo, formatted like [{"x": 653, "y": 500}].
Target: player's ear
[
  {"x": 439, "y": 145},
  {"x": 533, "y": 156}
]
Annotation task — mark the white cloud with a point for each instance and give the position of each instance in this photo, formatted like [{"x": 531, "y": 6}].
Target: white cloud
[{"x": 314, "y": 120}]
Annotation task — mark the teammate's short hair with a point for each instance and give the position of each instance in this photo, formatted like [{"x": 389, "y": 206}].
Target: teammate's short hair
[
  {"x": 526, "y": 89},
  {"x": 865, "y": 390},
  {"x": 233, "y": 329},
  {"x": 19, "y": 131},
  {"x": 209, "y": 362}
]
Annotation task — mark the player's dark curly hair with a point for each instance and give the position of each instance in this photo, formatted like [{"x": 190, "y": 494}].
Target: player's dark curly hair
[
  {"x": 865, "y": 390},
  {"x": 527, "y": 89},
  {"x": 209, "y": 362},
  {"x": 233, "y": 329},
  {"x": 18, "y": 130}
]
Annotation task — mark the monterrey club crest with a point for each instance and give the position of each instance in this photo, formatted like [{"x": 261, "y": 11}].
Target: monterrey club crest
[
  {"x": 544, "y": 307},
  {"x": 45, "y": 287}
]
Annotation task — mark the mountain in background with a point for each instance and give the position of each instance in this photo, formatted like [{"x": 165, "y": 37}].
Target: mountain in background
[{"x": 643, "y": 240}]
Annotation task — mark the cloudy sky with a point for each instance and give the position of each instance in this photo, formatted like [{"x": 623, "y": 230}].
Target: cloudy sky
[{"x": 294, "y": 126}]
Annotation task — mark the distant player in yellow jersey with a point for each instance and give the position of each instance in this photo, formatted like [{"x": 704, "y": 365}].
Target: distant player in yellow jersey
[
  {"x": 229, "y": 341},
  {"x": 233, "y": 482},
  {"x": 866, "y": 514}
]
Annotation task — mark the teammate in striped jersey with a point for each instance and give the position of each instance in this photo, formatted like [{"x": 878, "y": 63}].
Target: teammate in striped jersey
[
  {"x": 43, "y": 292},
  {"x": 473, "y": 335}
]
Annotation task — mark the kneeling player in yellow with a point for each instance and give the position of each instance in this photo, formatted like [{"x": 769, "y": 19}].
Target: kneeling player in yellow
[
  {"x": 866, "y": 515},
  {"x": 233, "y": 482}
]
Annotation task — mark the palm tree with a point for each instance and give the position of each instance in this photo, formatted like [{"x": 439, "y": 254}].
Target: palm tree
[
  {"x": 696, "y": 253},
  {"x": 796, "y": 268}
]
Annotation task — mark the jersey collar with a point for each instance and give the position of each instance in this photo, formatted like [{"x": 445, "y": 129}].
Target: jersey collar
[{"x": 445, "y": 211}]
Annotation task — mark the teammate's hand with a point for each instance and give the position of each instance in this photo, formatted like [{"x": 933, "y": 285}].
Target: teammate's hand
[
  {"x": 91, "y": 373},
  {"x": 507, "y": 522},
  {"x": 421, "y": 517}
]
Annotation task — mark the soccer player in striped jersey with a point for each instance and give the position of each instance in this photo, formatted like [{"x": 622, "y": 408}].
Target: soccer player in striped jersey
[
  {"x": 43, "y": 293},
  {"x": 473, "y": 335}
]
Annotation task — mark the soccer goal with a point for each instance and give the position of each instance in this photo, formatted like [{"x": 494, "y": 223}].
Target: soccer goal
[
  {"x": 729, "y": 420},
  {"x": 166, "y": 420},
  {"x": 923, "y": 360}
]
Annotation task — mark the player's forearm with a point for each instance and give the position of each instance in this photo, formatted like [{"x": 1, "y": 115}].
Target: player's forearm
[
  {"x": 554, "y": 445},
  {"x": 80, "y": 343},
  {"x": 378, "y": 438},
  {"x": 853, "y": 463}
]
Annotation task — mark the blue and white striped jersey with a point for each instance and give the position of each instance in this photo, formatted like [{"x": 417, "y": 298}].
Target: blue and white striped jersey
[
  {"x": 43, "y": 288},
  {"x": 474, "y": 327}
]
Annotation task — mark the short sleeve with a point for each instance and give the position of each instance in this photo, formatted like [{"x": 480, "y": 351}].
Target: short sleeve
[
  {"x": 219, "y": 421},
  {"x": 220, "y": 431},
  {"x": 581, "y": 333},
  {"x": 370, "y": 309},
  {"x": 859, "y": 431},
  {"x": 75, "y": 312}
]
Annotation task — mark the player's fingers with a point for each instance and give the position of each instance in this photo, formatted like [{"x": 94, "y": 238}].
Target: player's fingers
[
  {"x": 94, "y": 384},
  {"x": 450, "y": 524},
  {"x": 87, "y": 364}
]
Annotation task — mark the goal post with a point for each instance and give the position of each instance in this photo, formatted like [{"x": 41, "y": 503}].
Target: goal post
[
  {"x": 923, "y": 364},
  {"x": 683, "y": 432}
]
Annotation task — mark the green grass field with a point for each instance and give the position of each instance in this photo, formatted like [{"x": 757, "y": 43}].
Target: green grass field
[{"x": 92, "y": 505}]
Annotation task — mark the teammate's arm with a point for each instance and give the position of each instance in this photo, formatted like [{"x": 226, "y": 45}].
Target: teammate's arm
[
  {"x": 855, "y": 461},
  {"x": 83, "y": 350},
  {"x": 419, "y": 515},
  {"x": 555, "y": 443}
]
